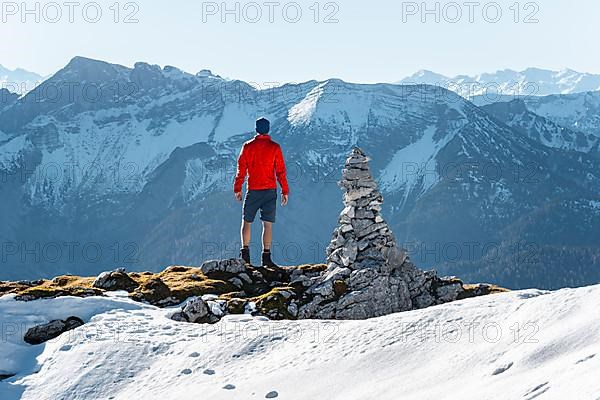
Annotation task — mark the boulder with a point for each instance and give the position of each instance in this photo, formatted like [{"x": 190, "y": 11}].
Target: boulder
[
  {"x": 42, "y": 333},
  {"x": 201, "y": 310},
  {"x": 153, "y": 291},
  {"x": 195, "y": 310},
  {"x": 117, "y": 279}
]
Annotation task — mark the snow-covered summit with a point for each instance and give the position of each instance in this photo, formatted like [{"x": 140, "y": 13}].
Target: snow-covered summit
[{"x": 508, "y": 82}]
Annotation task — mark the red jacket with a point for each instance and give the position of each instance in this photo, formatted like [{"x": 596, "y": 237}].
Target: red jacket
[{"x": 261, "y": 159}]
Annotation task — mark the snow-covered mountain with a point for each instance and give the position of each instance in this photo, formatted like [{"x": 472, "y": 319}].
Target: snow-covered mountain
[
  {"x": 134, "y": 166},
  {"x": 566, "y": 121},
  {"x": 19, "y": 80},
  {"x": 527, "y": 344},
  {"x": 579, "y": 112},
  {"x": 516, "y": 114},
  {"x": 530, "y": 82}
]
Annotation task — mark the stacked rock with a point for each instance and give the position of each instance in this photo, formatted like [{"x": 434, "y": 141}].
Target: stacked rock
[
  {"x": 362, "y": 236},
  {"x": 367, "y": 275}
]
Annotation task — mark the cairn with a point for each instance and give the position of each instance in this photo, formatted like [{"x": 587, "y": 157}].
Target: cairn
[
  {"x": 367, "y": 275},
  {"x": 362, "y": 237}
]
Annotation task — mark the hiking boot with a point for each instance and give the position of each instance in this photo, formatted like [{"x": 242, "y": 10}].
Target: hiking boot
[
  {"x": 245, "y": 255},
  {"x": 266, "y": 260}
]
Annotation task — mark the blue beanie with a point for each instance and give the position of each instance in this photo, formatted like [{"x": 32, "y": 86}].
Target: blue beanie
[{"x": 263, "y": 126}]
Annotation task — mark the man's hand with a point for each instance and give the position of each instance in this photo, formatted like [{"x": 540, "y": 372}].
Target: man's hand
[
  {"x": 284, "y": 200},
  {"x": 238, "y": 196}
]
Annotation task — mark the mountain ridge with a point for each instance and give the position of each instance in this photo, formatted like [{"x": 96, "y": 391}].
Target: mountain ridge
[{"x": 509, "y": 82}]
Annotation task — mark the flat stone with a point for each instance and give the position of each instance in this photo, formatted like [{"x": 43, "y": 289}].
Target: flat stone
[
  {"x": 348, "y": 211},
  {"x": 346, "y": 228},
  {"x": 361, "y": 224},
  {"x": 232, "y": 266},
  {"x": 356, "y": 174},
  {"x": 369, "y": 229},
  {"x": 363, "y": 213},
  {"x": 357, "y": 194}
]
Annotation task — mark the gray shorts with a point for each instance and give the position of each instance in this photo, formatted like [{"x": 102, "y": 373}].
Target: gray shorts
[{"x": 265, "y": 200}]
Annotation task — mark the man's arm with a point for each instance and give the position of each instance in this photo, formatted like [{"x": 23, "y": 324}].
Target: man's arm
[
  {"x": 240, "y": 176},
  {"x": 281, "y": 175}
]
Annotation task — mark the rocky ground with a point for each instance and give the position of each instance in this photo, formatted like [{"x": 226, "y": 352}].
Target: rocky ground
[{"x": 223, "y": 287}]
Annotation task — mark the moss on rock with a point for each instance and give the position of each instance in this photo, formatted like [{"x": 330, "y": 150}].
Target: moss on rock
[
  {"x": 339, "y": 287},
  {"x": 275, "y": 303},
  {"x": 153, "y": 291},
  {"x": 236, "y": 306},
  {"x": 66, "y": 285},
  {"x": 186, "y": 282}
]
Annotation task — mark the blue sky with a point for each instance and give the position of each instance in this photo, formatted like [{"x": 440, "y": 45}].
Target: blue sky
[{"x": 370, "y": 42}]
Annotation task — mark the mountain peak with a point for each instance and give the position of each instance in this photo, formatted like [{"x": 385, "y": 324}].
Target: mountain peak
[
  {"x": 425, "y": 76},
  {"x": 204, "y": 73},
  {"x": 79, "y": 61}
]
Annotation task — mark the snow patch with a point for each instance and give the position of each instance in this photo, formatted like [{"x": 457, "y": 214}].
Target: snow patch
[
  {"x": 503, "y": 346},
  {"x": 415, "y": 166},
  {"x": 302, "y": 113}
]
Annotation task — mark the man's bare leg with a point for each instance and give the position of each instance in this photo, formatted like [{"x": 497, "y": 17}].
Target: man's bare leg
[
  {"x": 267, "y": 235},
  {"x": 245, "y": 236},
  {"x": 245, "y": 233}
]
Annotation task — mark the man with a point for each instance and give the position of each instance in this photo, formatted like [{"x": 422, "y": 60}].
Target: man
[{"x": 262, "y": 160}]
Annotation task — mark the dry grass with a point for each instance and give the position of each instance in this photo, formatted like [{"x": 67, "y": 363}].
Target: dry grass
[
  {"x": 185, "y": 282},
  {"x": 178, "y": 283},
  {"x": 475, "y": 290},
  {"x": 12, "y": 287},
  {"x": 171, "y": 286},
  {"x": 66, "y": 285}
]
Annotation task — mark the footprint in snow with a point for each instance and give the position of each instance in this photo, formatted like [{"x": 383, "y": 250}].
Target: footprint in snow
[
  {"x": 271, "y": 395},
  {"x": 229, "y": 386},
  {"x": 195, "y": 354},
  {"x": 586, "y": 359},
  {"x": 537, "y": 391},
  {"x": 208, "y": 372},
  {"x": 502, "y": 369},
  {"x": 186, "y": 371},
  {"x": 66, "y": 347}
]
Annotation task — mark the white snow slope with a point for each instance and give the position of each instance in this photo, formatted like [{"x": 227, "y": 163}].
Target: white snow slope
[{"x": 520, "y": 345}]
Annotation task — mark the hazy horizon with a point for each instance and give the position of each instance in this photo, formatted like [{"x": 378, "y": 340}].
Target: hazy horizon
[
  {"x": 45, "y": 76},
  {"x": 380, "y": 42}
]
